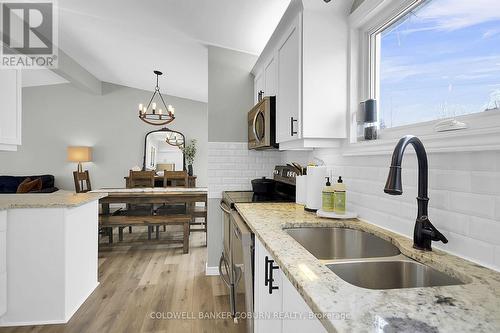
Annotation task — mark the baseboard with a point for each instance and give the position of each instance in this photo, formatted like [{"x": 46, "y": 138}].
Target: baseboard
[{"x": 211, "y": 270}]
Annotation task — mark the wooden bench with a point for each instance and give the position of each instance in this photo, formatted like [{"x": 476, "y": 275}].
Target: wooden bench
[{"x": 120, "y": 221}]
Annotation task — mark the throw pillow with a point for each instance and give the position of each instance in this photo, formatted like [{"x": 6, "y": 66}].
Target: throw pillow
[{"x": 29, "y": 185}]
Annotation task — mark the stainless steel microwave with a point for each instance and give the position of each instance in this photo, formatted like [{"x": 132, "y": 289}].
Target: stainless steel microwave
[{"x": 262, "y": 125}]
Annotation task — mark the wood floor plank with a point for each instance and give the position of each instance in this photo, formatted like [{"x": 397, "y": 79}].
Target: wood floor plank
[{"x": 140, "y": 279}]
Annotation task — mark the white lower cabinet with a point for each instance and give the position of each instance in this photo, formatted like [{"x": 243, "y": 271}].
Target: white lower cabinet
[
  {"x": 277, "y": 304},
  {"x": 268, "y": 300},
  {"x": 303, "y": 319}
]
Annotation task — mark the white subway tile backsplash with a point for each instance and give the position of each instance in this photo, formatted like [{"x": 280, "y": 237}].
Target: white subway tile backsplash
[
  {"x": 486, "y": 183},
  {"x": 231, "y": 166},
  {"x": 472, "y": 204},
  {"x": 485, "y": 230},
  {"x": 464, "y": 193},
  {"x": 449, "y": 221},
  {"x": 485, "y": 161},
  {"x": 407, "y": 211},
  {"x": 497, "y": 208},
  {"x": 468, "y": 248},
  {"x": 450, "y": 180},
  {"x": 439, "y": 199},
  {"x": 497, "y": 256},
  {"x": 401, "y": 226},
  {"x": 408, "y": 176}
]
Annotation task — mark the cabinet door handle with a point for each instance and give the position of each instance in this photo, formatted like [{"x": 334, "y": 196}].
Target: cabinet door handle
[
  {"x": 292, "y": 132},
  {"x": 269, "y": 279}
]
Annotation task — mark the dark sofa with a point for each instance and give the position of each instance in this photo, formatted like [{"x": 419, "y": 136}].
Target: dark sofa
[{"x": 9, "y": 184}]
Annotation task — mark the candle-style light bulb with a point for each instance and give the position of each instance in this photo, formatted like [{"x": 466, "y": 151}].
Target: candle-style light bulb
[
  {"x": 140, "y": 107},
  {"x": 153, "y": 106},
  {"x": 144, "y": 110},
  {"x": 161, "y": 111},
  {"x": 173, "y": 110}
]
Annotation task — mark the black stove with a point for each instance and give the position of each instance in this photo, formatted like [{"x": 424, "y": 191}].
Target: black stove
[{"x": 284, "y": 190}]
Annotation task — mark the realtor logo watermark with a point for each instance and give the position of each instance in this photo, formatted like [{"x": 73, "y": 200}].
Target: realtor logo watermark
[{"x": 29, "y": 34}]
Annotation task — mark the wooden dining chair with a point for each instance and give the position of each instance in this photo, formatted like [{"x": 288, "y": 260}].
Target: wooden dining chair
[
  {"x": 141, "y": 179},
  {"x": 173, "y": 179},
  {"x": 82, "y": 181},
  {"x": 176, "y": 178}
]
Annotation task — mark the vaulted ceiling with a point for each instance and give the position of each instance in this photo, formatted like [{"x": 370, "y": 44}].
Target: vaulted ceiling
[{"x": 123, "y": 41}]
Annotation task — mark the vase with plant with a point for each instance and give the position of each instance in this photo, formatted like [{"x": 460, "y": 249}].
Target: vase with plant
[{"x": 189, "y": 153}]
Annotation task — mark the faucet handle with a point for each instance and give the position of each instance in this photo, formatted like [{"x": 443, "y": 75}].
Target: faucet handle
[{"x": 430, "y": 230}]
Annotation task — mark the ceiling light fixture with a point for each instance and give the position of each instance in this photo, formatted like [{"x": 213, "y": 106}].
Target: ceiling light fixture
[{"x": 156, "y": 116}]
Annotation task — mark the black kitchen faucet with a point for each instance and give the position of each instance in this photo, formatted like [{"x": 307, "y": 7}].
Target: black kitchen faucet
[{"x": 424, "y": 232}]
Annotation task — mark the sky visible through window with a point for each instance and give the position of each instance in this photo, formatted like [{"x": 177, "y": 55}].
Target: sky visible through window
[{"x": 439, "y": 61}]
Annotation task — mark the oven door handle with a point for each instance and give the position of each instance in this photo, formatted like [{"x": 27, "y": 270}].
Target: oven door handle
[
  {"x": 224, "y": 207},
  {"x": 223, "y": 277}
]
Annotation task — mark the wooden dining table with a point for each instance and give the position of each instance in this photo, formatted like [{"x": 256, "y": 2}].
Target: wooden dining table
[{"x": 149, "y": 195}]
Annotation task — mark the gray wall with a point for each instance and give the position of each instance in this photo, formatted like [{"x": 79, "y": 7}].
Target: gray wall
[
  {"x": 230, "y": 94},
  {"x": 58, "y": 116},
  {"x": 230, "y": 97}
]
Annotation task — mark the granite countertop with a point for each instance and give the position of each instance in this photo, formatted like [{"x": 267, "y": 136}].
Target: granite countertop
[
  {"x": 47, "y": 200},
  {"x": 473, "y": 306}
]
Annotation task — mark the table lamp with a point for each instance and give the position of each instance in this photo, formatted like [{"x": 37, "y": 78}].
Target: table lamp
[{"x": 79, "y": 155}]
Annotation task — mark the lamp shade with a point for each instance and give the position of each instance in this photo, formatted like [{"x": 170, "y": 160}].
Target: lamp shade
[{"x": 79, "y": 154}]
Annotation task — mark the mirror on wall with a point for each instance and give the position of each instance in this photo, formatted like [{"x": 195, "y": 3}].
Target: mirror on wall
[{"x": 162, "y": 151}]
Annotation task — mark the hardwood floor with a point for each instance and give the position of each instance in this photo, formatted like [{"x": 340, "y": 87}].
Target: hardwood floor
[{"x": 143, "y": 280}]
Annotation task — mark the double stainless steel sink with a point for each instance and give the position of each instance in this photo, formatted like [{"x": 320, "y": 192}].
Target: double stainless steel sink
[{"x": 367, "y": 261}]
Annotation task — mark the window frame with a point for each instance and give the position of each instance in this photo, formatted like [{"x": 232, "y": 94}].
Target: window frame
[{"x": 365, "y": 23}]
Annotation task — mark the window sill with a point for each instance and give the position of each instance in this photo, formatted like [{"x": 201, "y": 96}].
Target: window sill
[{"x": 485, "y": 139}]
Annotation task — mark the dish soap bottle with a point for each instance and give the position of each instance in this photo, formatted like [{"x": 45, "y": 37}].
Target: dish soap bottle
[
  {"x": 339, "y": 196},
  {"x": 327, "y": 202}
]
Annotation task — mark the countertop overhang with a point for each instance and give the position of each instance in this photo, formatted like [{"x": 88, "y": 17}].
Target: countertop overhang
[
  {"x": 472, "y": 306},
  {"x": 59, "y": 199}
]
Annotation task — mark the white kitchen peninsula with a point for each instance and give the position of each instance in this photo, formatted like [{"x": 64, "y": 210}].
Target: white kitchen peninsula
[{"x": 48, "y": 256}]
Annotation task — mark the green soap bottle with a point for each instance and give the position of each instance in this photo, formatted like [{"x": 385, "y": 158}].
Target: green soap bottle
[
  {"x": 327, "y": 196},
  {"x": 339, "y": 197}
]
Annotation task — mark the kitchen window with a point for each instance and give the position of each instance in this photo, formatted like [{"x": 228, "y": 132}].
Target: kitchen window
[
  {"x": 425, "y": 62},
  {"x": 439, "y": 59}
]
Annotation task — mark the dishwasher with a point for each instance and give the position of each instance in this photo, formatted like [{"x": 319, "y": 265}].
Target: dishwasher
[{"x": 242, "y": 257}]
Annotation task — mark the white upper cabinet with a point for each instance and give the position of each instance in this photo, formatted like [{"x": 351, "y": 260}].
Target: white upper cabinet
[
  {"x": 308, "y": 50},
  {"x": 259, "y": 85},
  {"x": 288, "y": 90},
  {"x": 265, "y": 80},
  {"x": 270, "y": 78},
  {"x": 10, "y": 109}
]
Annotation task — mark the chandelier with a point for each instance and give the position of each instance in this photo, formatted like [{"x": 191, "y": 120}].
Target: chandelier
[
  {"x": 153, "y": 115},
  {"x": 175, "y": 139}
]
